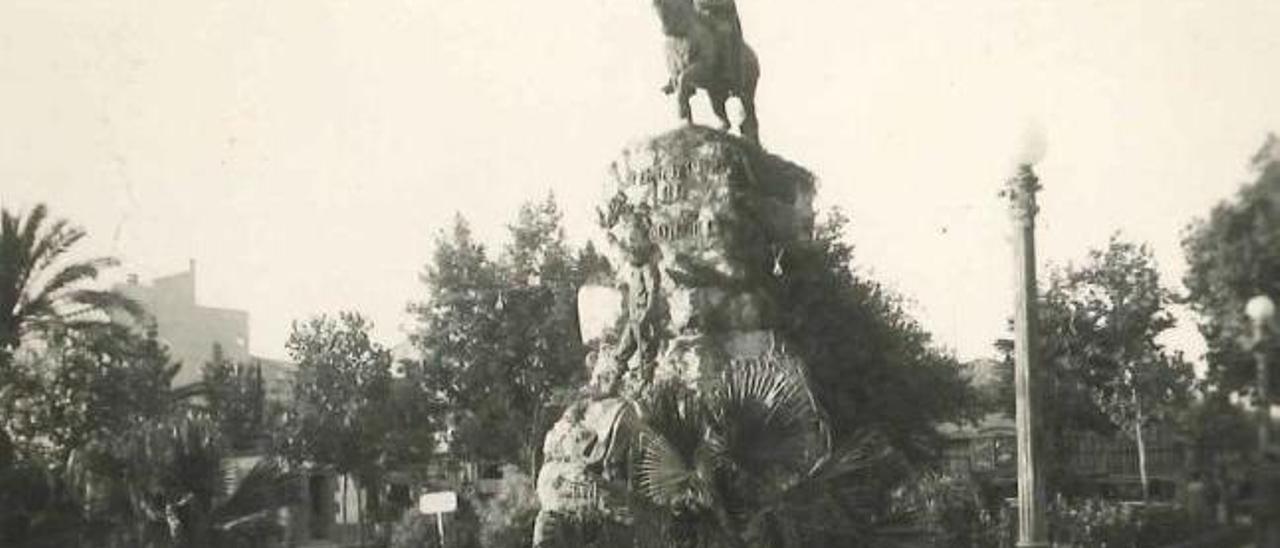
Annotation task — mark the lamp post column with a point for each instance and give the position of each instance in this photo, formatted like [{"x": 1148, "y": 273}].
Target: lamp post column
[
  {"x": 1261, "y": 312},
  {"x": 1032, "y": 526}
]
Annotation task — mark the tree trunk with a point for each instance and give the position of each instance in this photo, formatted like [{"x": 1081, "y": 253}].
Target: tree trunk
[
  {"x": 1142, "y": 453},
  {"x": 345, "y": 519}
]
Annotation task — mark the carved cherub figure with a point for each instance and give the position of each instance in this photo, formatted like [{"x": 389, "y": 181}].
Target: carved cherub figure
[{"x": 640, "y": 333}]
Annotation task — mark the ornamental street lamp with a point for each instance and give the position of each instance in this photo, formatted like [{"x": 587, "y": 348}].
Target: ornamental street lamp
[
  {"x": 1261, "y": 312},
  {"x": 1032, "y": 527}
]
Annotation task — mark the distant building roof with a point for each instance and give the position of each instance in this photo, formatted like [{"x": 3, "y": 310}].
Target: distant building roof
[{"x": 190, "y": 329}]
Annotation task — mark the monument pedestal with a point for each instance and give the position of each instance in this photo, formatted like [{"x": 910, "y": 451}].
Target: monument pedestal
[{"x": 699, "y": 224}]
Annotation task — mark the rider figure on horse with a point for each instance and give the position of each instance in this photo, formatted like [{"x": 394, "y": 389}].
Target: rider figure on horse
[{"x": 723, "y": 18}]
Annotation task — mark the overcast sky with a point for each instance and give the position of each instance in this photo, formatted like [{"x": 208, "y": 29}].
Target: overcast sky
[{"x": 305, "y": 152}]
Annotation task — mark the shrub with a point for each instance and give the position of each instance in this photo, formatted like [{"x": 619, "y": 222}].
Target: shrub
[
  {"x": 506, "y": 520},
  {"x": 951, "y": 511},
  {"x": 416, "y": 530},
  {"x": 1111, "y": 524}
]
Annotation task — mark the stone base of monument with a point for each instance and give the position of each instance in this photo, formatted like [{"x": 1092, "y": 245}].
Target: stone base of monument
[
  {"x": 718, "y": 215},
  {"x": 698, "y": 225}
]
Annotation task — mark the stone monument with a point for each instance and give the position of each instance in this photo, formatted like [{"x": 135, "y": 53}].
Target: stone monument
[{"x": 699, "y": 223}]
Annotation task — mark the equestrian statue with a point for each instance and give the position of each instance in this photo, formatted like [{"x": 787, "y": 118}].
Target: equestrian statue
[{"x": 705, "y": 50}]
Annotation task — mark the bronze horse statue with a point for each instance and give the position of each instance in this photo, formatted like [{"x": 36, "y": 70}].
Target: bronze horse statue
[{"x": 705, "y": 51}]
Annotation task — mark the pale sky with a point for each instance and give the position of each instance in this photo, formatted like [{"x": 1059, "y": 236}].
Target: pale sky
[{"x": 305, "y": 152}]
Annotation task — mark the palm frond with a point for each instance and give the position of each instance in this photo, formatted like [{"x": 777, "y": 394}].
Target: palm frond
[
  {"x": 74, "y": 273},
  {"x": 749, "y": 459},
  {"x": 836, "y": 499},
  {"x": 250, "y": 510},
  {"x": 57, "y": 240},
  {"x": 106, "y": 301},
  {"x": 31, "y": 227},
  {"x": 765, "y": 420},
  {"x": 664, "y": 476}
]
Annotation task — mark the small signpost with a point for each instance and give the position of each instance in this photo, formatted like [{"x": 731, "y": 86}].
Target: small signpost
[{"x": 439, "y": 504}]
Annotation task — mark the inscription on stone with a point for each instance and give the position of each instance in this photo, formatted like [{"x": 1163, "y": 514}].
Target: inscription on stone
[{"x": 699, "y": 168}]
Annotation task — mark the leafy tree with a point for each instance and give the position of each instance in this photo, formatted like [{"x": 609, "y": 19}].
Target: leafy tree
[
  {"x": 89, "y": 384},
  {"x": 1232, "y": 256},
  {"x": 343, "y": 376},
  {"x": 1221, "y": 439},
  {"x": 542, "y": 351},
  {"x": 413, "y": 414},
  {"x": 458, "y": 325},
  {"x": 871, "y": 365},
  {"x": 167, "y": 482},
  {"x": 1123, "y": 310},
  {"x": 500, "y": 337},
  {"x": 122, "y": 457},
  {"x": 41, "y": 289},
  {"x": 1108, "y": 371},
  {"x": 344, "y": 412},
  {"x": 237, "y": 400}
]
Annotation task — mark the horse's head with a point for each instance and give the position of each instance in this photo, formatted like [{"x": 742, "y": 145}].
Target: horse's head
[{"x": 675, "y": 15}]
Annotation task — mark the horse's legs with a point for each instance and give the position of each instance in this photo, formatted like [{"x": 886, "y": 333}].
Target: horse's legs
[
  {"x": 718, "y": 98},
  {"x": 684, "y": 92},
  {"x": 750, "y": 127}
]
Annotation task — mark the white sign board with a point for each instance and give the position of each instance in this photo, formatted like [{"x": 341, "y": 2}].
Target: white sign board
[{"x": 438, "y": 503}]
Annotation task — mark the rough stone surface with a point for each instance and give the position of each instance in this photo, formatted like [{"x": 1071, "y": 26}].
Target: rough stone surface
[
  {"x": 721, "y": 214},
  {"x": 698, "y": 225}
]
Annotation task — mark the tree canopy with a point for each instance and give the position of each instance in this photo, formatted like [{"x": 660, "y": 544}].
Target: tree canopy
[
  {"x": 1106, "y": 370},
  {"x": 499, "y": 337},
  {"x": 236, "y": 396},
  {"x": 339, "y": 413},
  {"x": 872, "y": 366},
  {"x": 1233, "y": 255}
]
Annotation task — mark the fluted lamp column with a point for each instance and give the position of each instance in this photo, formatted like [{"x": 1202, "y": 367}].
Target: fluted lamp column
[
  {"x": 1032, "y": 526},
  {"x": 1261, "y": 311}
]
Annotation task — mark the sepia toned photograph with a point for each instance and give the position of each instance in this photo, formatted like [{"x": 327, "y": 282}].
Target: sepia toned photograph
[{"x": 639, "y": 274}]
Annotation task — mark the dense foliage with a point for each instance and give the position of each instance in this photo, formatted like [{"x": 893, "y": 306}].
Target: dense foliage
[
  {"x": 498, "y": 338},
  {"x": 748, "y": 461},
  {"x": 348, "y": 414},
  {"x": 955, "y": 511},
  {"x": 1092, "y": 522},
  {"x": 1232, "y": 256},
  {"x": 236, "y": 398},
  {"x": 506, "y": 519},
  {"x": 872, "y": 366},
  {"x": 1107, "y": 370},
  {"x": 110, "y": 454}
]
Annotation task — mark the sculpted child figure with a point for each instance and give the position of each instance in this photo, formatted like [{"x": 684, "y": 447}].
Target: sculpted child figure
[{"x": 639, "y": 337}]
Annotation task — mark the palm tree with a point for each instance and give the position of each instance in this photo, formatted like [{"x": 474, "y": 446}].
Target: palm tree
[
  {"x": 749, "y": 462},
  {"x": 38, "y": 287},
  {"x": 168, "y": 483}
]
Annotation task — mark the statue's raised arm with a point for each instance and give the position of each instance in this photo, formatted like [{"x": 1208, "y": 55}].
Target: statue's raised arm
[{"x": 705, "y": 50}]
